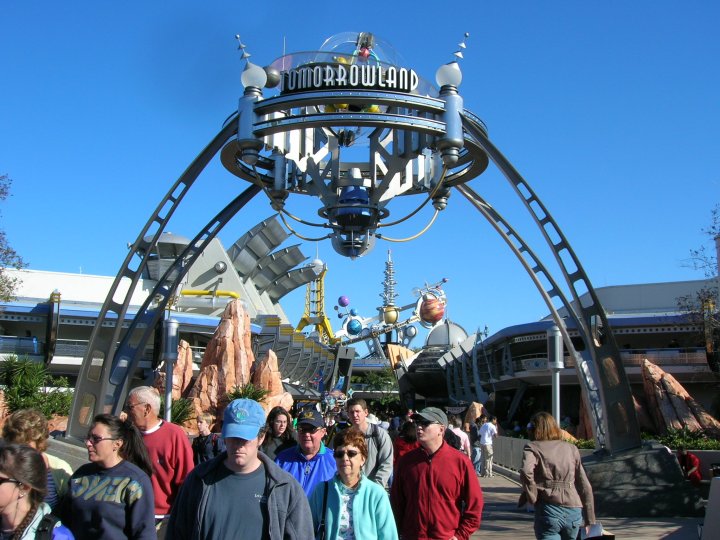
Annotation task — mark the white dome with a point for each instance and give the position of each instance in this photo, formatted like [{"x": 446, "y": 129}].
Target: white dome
[{"x": 446, "y": 334}]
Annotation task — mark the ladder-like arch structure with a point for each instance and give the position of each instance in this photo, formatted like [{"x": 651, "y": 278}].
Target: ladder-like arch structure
[{"x": 296, "y": 143}]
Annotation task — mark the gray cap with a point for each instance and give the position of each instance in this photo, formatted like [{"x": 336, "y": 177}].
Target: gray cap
[{"x": 431, "y": 414}]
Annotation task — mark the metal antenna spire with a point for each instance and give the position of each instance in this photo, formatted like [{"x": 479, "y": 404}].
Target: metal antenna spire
[
  {"x": 241, "y": 47},
  {"x": 462, "y": 45}
]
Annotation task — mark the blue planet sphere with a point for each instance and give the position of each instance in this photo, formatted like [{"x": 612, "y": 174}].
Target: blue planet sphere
[{"x": 354, "y": 327}]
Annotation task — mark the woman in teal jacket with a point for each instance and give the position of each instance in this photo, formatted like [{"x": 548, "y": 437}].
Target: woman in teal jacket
[{"x": 350, "y": 505}]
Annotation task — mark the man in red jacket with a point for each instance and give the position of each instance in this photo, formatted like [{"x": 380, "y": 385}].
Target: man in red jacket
[{"x": 433, "y": 483}]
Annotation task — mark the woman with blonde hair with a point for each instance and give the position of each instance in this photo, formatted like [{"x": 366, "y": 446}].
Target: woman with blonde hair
[
  {"x": 23, "y": 514},
  {"x": 29, "y": 426},
  {"x": 553, "y": 479}
]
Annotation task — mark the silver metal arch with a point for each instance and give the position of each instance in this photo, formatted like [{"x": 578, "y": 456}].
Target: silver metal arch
[
  {"x": 606, "y": 390},
  {"x": 114, "y": 353},
  {"x": 105, "y": 372}
]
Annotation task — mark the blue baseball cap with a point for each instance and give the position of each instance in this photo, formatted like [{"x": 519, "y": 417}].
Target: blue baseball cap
[{"x": 243, "y": 419}]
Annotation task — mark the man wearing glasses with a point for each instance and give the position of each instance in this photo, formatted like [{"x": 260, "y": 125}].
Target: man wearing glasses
[
  {"x": 436, "y": 493},
  {"x": 168, "y": 446},
  {"x": 310, "y": 462}
]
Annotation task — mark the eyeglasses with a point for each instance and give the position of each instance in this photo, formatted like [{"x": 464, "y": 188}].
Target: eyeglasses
[
  {"x": 129, "y": 406},
  {"x": 6, "y": 480},
  {"x": 94, "y": 439},
  {"x": 423, "y": 425},
  {"x": 339, "y": 454},
  {"x": 303, "y": 428}
]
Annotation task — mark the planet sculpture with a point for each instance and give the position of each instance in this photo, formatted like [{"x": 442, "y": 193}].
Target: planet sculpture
[
  {"x": 432, "y": 310},
  {"x": 354, "y": 327}
]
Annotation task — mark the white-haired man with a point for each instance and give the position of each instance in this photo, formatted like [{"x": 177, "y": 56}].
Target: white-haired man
[{"x": 167, "y": 444}]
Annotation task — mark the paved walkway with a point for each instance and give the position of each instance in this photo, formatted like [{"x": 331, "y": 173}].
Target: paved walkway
[{"x": 503, "y": 519}]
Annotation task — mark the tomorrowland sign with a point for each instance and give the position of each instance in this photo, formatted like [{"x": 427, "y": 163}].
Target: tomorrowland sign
[{"x": 348, "y": 77}]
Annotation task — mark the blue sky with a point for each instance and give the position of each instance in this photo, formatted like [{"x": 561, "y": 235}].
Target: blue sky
[{"x": 610, "y": 110}]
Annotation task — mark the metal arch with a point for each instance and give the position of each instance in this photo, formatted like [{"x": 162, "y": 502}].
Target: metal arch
[
  {"x": 518, "y": 247},
  {"x": 613, "y": 414},
  {"x": 92, "y": 385}
]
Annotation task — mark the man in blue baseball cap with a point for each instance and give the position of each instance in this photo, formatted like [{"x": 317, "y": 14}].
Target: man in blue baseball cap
[{"x": 241, "y": 493}]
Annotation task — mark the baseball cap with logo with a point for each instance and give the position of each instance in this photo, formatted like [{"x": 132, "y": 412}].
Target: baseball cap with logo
[
  {"x": 312, "y": 418},
  {"x": 243, "y": 419},
  {"x": 431, "y": 414}
]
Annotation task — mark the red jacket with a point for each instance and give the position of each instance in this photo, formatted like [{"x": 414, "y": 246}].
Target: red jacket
[
  {"x": 429, "y": 491},
  {"x": 402, "y": 447},
  {"x": 688, "y": 462}
]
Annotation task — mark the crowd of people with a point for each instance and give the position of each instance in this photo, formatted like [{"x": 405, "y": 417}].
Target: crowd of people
[{"x": 344, "y": 475}]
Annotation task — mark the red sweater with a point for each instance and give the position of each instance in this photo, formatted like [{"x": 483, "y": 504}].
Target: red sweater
[
  {"x": 172, "y": 459},
  {"x": 427, "y": 492}
]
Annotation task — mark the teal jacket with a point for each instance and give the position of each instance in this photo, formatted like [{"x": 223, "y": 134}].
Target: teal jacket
[{"x": 372, "y": 515}]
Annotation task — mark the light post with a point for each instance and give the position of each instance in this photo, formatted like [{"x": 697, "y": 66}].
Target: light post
[
  {"x": 169, "y": 356},
  {"x": 555, "y": 364}
]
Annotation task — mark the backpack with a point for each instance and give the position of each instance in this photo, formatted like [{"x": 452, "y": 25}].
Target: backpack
[
  {"x": 452, "y": 439},
  {"x": 45, "y": 528}
]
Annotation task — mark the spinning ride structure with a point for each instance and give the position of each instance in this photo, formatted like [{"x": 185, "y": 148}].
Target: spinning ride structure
[{"x": 354, "y": 127}]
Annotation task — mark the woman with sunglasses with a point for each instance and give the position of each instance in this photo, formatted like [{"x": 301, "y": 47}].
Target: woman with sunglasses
[
  {"x": 23, "y": 478},
  {"x": 112, "y": 496},
  {"x": 350, "y": 505}
]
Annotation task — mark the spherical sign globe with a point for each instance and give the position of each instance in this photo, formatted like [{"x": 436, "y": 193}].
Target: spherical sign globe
[
  {"x": 432, "y": 310},
  {"x": 354, "y": 327}
]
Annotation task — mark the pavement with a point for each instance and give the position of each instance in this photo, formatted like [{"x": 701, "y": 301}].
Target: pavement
[{"x": 503, "y": 519}]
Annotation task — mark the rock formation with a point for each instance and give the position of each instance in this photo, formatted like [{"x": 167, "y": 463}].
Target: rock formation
[
  {"x": 671, "y": 406},
  {"x": 267, "y": 375},
  {"x": 228, "y": 363},
  {"x": 182, "y": 372}
]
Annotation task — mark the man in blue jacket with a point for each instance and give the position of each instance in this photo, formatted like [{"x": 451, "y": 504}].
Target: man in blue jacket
[
  {"x": 240, "y": 493},
  {"x": 310, "y": 462}
]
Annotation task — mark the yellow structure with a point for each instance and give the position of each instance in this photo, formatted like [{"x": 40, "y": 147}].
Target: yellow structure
[{"x": 314, "y": 314}]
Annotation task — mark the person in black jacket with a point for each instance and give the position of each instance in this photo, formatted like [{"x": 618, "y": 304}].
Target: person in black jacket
[{"x": 206, "y": 445}]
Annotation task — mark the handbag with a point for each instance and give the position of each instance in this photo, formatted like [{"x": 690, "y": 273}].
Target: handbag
[{"x": 320, "y": 532}]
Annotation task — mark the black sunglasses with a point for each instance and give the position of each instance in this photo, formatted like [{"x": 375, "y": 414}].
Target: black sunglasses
[
  {"x": 94, "y": 439},
  {"x": 341, "y": 453},
  {"x": 306, "y": 428},
  {"x": 6, "y": 480}
]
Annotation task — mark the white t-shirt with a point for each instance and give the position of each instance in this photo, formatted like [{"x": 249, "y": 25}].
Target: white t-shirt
[{"x": 487, "y": 432}]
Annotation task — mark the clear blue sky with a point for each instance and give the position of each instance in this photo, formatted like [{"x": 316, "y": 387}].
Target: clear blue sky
[{"x": 610, "y": 110}]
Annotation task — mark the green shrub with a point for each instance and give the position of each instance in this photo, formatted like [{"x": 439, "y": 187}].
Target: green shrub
[
  {"x": 181, "y": 410},
  {"x": 584, "y": 444},
  {"x": 692, "y": 440},
  {"x": 675, "y": 438},
  {"x": 28, "y": 384},
  {"x": 247, "y": 391}
]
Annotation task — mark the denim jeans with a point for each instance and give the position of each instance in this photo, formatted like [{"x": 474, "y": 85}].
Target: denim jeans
[
  {"x": 477, "y": 459},
  {"x": 555, "y": 522}
]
